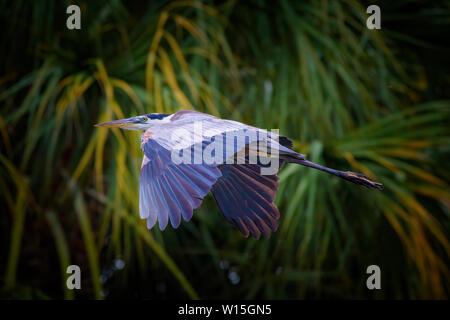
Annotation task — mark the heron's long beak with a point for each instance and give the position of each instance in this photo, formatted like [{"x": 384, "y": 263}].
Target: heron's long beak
[{"x": 128, "y": 123}]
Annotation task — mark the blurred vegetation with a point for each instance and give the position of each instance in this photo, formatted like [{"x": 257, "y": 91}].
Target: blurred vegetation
[{"x": 351, "y": 98}]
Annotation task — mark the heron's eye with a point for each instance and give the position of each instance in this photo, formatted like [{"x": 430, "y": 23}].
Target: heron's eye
[{"x": 144, "y": 119}]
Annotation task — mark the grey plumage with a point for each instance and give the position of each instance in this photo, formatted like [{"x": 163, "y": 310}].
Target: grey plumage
[{"x": 170, "y": 191}]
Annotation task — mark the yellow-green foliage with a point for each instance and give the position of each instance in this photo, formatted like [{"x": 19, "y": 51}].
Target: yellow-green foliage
[{"x": 346, "y": 95}]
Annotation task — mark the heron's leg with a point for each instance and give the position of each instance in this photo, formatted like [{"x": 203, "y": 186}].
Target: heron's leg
[{"x": 354, "y": 177}]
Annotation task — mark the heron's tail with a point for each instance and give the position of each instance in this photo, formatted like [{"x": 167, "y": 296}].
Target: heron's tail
[{"x": 356, "y": 178}]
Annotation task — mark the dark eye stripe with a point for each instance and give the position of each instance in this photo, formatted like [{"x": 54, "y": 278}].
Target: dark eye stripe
[{"x": 157, "y": 116}]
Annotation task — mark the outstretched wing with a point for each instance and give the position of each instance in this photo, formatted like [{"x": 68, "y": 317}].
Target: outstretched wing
[
  {"x": 168, "y": 190},
  {"x": 246, "y": 198}
]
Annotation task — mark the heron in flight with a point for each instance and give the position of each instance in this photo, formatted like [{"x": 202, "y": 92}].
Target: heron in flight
[{"x": 171, "y": 189}]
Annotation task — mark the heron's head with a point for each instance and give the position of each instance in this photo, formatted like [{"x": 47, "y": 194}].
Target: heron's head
[{"x": 143, "y": 122}]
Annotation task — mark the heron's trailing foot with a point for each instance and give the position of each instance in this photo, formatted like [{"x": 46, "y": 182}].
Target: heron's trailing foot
[
  {"x": 354, "y": 177},
  {"x": 361, "y": 179}
]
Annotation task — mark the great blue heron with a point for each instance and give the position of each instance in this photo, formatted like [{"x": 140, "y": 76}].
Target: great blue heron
[{"x": 170, "y": 189}]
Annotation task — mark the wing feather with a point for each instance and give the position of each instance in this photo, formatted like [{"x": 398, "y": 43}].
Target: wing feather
[
  {"x": 174, "y": 205},
  {"x": 152, "y": 209},
  {"x": 245, "y": 198},
  {"x": 168, "y": 191},
  {"x": 186, "y": 205}
]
